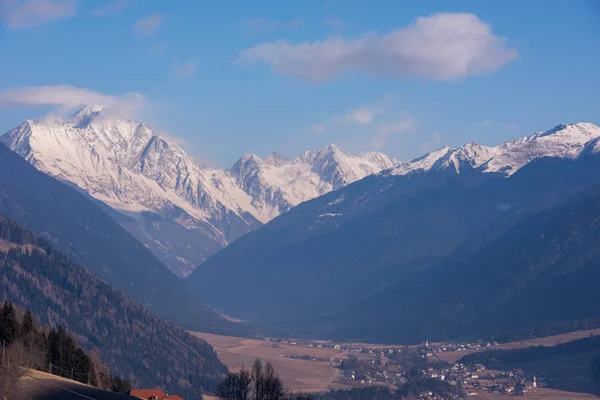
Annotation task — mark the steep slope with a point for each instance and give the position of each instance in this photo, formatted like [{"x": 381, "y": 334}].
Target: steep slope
[
  {"x": 93, "y": 239},
  {"x": 181, "y": 211},
  {"x": 543, "y": 271},
  {"x": 133, "y": 342},
  {"x": 356, "y": 240}
]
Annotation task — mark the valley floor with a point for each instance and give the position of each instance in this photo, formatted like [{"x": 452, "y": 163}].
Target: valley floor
[
  {"x": 313, "y": 366},
  {"x": 294, "y": 364},
  {"x": 537, "y": 394}
]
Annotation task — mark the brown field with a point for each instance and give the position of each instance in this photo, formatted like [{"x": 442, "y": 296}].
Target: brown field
[
  {"x": 304, "y": 375},
  {"x": 537, "y": 394}
]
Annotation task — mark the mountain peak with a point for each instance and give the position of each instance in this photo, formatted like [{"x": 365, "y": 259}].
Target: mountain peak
[
  {"x": 562, "y": 141},
  {"x": 276, "y": 159}
]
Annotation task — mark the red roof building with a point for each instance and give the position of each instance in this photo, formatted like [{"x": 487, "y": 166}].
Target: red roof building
[{"x": 148, "y": 394}]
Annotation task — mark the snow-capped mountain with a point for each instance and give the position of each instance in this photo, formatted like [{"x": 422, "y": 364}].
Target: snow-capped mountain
[
  {"x": 277, "y": 184},
  {"x": 350, "y": 242},
  {"x": 182, "y": 211},
  {"x": 563, "y": 141}
]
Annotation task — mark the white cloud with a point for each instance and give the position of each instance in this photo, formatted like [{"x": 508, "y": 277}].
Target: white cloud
[
  {"x": 148, "y": 26},
  {"x": 386, "y": 130},
  {"x": 512, "y": 125},
  {"x": 434, "y": 142},
  {"x": 485, "y": 123},
  {"x": 22, "y": 14},
  {"x": 185, "y": 70},
  {"x": 114, "y": 7},
  {"x": 445, "y": 46},
  {"x": 67, "y": 97},
  {"x": 363, "y": 115}
]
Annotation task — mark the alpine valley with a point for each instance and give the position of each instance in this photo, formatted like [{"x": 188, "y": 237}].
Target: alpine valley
[
  {"x": 183, "y": 212},
  {"x": 373, "y": 252}
]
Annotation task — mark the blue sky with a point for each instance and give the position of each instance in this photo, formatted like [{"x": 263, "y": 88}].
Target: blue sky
[{"x": 229, "y": 77}]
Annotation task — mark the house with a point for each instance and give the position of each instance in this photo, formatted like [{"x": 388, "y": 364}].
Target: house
[{"x": 153, "y": 394}]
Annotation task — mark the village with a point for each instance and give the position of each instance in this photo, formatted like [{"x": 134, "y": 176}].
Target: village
[{"x": 437, "y": 366}]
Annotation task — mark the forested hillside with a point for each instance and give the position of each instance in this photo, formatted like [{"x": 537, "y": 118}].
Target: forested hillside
[
  {"x": 354, "y": 242},
  {"x": 542, "y": 272},
  {"x": 133, "y": 342},
  {"x": 26, "y": 345},
  {"x": 91, "y": 238}
]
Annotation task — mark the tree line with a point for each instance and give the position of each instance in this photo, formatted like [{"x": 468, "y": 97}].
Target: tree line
[
  {"x": 26, "y": 345},
  {"x": 548, "y": 330}
]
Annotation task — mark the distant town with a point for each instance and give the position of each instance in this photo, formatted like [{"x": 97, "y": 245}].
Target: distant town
[{"x": 364, "y": 365}]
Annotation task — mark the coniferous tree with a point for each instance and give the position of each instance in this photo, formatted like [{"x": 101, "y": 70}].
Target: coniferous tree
[
  {"x": 28, "y": 324},
  {"x": 9, "y": 326}
]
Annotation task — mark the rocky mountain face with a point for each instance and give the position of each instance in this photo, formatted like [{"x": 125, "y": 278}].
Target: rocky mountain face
[
  {"x": 183, "y": 212},
  {"x": 351, "y": 243}
]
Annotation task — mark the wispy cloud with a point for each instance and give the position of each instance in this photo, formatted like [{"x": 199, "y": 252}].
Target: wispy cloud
[
  {"x": 385, "y": 131},
  {"x": 67, "y": 97},
  {"x": 187, "y": 69},
  {"x": 441, "y": 47},
  {"x": 363, "y": 115},
  {"x": 148, "y": 26},
  {"x": 512, "y": 125},
  {"x": 433, "y": 143},
  {"x": 318, "y": 129},
  {"x": 113, "y": 7},
  {"x": 23, "y": 14},
  {"x": 179, "y": 141},
  {"x": 485, "y": 123}
]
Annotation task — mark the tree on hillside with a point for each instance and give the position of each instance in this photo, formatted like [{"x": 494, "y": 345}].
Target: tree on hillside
[
  {"x": 235, "y": 386},
  {"x": 9, "y": 325}
]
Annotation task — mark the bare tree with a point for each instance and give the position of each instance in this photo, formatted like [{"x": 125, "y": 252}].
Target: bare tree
[
  {"x": 257, "y": 378},
  {"x": 11, "y": 372},
  {"x": 272, "y": 385}
]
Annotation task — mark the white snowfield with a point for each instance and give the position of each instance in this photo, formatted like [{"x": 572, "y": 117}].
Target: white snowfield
[
  {"x": 563, "y": 141},
  {"x": 132, "y": 169}
]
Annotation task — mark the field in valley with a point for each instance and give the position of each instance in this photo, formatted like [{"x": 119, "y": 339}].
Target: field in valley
[
  {"x": 319, "y": 375},
  {"x": 537, "y": 394},
  {"x": 297, "y": 374}
]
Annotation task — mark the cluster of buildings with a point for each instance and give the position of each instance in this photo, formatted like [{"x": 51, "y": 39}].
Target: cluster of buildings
[
  {"x": 395, "y": 366},
  {"x": 153, "y": 394}
]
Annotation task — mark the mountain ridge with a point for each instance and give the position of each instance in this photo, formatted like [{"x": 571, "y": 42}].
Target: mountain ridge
[
  {"x": 77, "y": 226},
  {"x": 352, "y": 240},
  {"x": 157, "y": 186}
]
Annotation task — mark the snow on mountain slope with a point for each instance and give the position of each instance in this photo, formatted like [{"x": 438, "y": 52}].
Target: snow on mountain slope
[
  {"x": 182, "y": 211},
  {"x": 563, "y": 141},
  {"x": 277, "y": 184}
]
